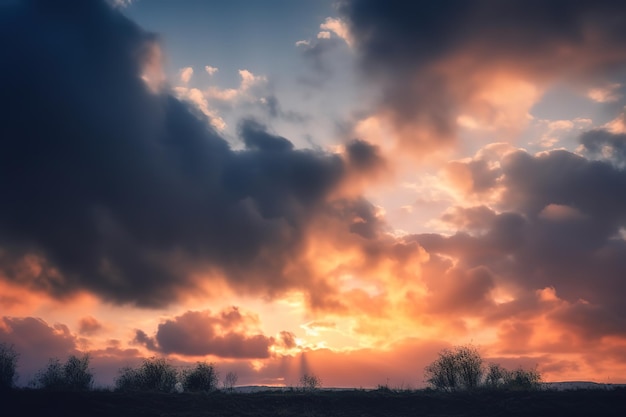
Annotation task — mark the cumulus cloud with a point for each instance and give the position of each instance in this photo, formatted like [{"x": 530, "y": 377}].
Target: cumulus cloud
[
  {"x": 555, "y": 222},
  {"x": 480, "y": 64},
  {"x": 338, "y": 27},
  {"x": 210, "y": 70},
  {"x": 229, "y": 334},
  {"x": 186, "y": 74},
  {"x": 248, "y": 82},
  {"x": 89, "y": 325}
]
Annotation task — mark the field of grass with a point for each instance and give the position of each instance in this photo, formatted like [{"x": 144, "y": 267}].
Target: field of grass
[{"x": 321, "y": 403}]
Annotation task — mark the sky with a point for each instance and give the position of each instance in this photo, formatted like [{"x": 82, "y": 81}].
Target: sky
[{"x": 343, "y": 188}]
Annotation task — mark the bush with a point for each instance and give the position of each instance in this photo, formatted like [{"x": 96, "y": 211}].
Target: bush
[
  {"x": 523, "y": 380},
  {"x": 77, "y": 375},
  {"x": 8, "y": 364},
  {"x": 50, "y": 378},
  {"x": 457, "y": 368},
  {"x": 203, "y": 377},
  {"x": 74, "y": 375},
  {"x": 462, "y": 368},
  {"x": 155, "y": 374},
  {"x": 310, "y": 382},
  {"x": 496, "y": 376}
]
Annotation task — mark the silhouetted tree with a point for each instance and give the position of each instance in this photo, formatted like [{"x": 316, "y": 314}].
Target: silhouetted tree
[
  {"x": 310, "y": 382},
  {"x": 154, "y": 374},
  {"x": 8, "y": 365},
  {"x": 203, "y": 377},
  {"x": 458, "y": 368},
  {"x": 74, "y": 375},
  {"x": 77, "y": 375}
]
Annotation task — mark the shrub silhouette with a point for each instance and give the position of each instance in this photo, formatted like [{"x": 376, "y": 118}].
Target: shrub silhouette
[
  {"x": 154, "y": 374},
  {"x": 457, "y": 368},
  {"x": 310, "y": 382},
  {"x": 203, "y": 377},
  {"x": 523, "y": 380},
  {"x": 461, "y": 368},
  {"x": 496, "y": 376},
  {"x": 74, "y": 375},
  {"x": 8, "y": 364}
]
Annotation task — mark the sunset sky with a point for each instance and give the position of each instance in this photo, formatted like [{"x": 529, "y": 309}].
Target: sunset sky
[{"x": 341, "y": 188}]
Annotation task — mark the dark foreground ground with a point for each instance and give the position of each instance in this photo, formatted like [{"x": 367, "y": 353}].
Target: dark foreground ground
[{"x": 323, "y": 403}]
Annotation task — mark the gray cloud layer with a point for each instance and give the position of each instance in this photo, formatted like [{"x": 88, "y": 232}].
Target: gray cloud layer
[
  {"x": 560, "y": 226},
  {"x": 434, "y": 58}
]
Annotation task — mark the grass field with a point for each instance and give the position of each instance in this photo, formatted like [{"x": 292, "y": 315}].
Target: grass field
[{"x": 321, "y": 403}]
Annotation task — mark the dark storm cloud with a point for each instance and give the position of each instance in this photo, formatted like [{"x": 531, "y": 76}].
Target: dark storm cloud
[
  {"x": 434, "y": 57},
  {"x": 256, "y": 137},
  {"x": 560, "y": 226},
  {"x": 603, "y": 144},
  {"x": 198, "y": 333},
  {"x": 364, "y": 156},
  {"x": 110, "y": 187}
]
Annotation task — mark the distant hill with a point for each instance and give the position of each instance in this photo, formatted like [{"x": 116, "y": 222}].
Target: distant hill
[
  {"x": 558, "y": 386},
  {"x": 574, "y": 385}
]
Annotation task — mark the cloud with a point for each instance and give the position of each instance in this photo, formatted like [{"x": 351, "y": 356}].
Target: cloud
[
  {"x": 186, "y": 74},
  {"x": 198, "y": 333},
  {"x": 36, "y": 341},
  {"x": 210, "y": 70},
  {"x": 604, "y": 145},
  {"x": 89, "y": 325},
  {"x": 249, "y": 82},
  {"x": 124, "y": 191},
  {"x": 480, "y": 64},
  {"x": 273, "y": 107},
  {"x": 607, "y": 94},
  {"x": 323, "y": 35},
  {"x": 554, "y": 221},
  {"x": 197, "y": 97},
  {"x": 338, "y": 27}
]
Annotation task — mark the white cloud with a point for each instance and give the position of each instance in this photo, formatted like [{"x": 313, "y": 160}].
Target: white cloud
[
  {"x": 555, "y": 129},
  {"x": 185, "y": 74},
  {"x": 303, "y": 43},
  {"x": 248, "y": 79},
  {"x": 339, "y": 28},
  {"x": 323, "y": 35},
  {"x": 617, "y": 125},
  {"x": 198, "y": 98},
  {"x": 210, "y": 70},
  {"x": 606, "y": 94},
  {"x": 248, "y": 82}
]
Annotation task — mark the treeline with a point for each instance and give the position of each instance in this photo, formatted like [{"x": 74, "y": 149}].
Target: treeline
[
  {"x": 457, "y": 369},
  {"x": 154, "y": 374}
]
